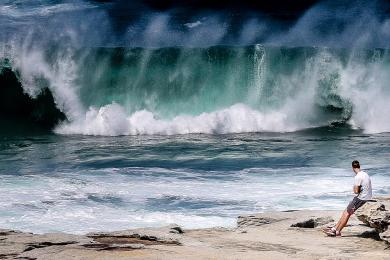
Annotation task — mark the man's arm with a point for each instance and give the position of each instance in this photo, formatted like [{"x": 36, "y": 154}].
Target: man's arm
[{"x": 357, "y": 185}]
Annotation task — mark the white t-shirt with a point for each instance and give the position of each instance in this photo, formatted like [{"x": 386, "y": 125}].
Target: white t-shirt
[{"x": 363, "y": 179}]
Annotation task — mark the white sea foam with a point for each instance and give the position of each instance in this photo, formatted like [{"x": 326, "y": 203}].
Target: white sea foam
[
  {"x": 112, "y": 120},
  {"x": 122, "y": 198}
]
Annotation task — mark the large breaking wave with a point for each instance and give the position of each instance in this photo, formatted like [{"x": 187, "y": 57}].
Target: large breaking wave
[{"x": 127, "y": 91}]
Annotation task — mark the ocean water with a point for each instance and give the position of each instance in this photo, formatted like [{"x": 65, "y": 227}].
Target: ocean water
[
  {"x": 184, "y": 116},
  {"x": 80, "y": 183}
]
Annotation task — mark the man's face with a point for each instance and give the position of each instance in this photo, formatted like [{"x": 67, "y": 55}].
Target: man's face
[{"x": 355, "y": 170}]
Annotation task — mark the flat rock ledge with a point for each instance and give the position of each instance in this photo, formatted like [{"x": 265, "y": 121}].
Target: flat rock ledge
[
  {"x": 272, "y": 235},
  {"x": 20, "y": 245}
]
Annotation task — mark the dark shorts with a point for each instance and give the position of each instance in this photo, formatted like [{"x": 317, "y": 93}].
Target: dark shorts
[{"x": 354, "y": 205}]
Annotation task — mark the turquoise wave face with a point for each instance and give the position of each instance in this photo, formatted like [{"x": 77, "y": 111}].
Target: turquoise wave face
[{"x": 171, "y": 81}]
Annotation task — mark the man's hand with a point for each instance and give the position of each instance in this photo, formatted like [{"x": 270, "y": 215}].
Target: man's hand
[{"x": 357, "y": 189}]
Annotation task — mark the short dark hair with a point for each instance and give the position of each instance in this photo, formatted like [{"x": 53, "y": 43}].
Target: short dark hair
[{"x": 356, "y": 164}]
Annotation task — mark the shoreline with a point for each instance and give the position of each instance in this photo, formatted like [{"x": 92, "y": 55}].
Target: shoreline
[{"x": 294, "y": 234}]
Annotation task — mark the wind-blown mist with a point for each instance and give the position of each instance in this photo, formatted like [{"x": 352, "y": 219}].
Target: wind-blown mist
[{"x": 160, "y": 74}]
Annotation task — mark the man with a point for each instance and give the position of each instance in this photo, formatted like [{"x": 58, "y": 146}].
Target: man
[{"x": 362, "y": 187}]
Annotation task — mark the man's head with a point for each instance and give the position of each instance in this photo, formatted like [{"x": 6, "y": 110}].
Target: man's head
[{"x": 356, "y": 166}]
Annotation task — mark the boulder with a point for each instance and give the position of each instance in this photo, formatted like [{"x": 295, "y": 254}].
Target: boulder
[{"x": 375, "y": 215}]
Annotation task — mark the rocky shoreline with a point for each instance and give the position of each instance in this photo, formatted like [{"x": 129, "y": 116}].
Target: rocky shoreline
[{"x": 272, "y": 235}]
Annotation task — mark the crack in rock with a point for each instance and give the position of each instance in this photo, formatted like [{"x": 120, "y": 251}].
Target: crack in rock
[
  {"x": 32, "y": 246},
  {"x": 111, "y": 247}
]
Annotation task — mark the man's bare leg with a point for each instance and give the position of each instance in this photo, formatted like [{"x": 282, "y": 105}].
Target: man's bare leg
[{"x": 343, "y": 221}]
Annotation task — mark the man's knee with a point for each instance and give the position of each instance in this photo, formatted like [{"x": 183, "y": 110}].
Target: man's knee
[{"x": 350, "y": 211}]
